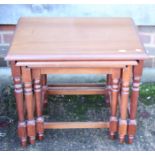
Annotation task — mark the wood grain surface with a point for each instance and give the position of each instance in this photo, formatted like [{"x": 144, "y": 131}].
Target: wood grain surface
[{"x": 46, "y": 38}]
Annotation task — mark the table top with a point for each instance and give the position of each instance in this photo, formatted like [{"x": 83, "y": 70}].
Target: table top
[{"x": 47, "y": 38}]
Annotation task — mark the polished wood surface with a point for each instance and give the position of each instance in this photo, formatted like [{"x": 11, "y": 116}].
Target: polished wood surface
[
  {"x": 132, "y": 127},
  {"x": 76, "y": 90},
  {"x": 115, "y": 79},
  {"x": 44, "y": 89},
  {"x": 77, "y": 85},
  {"x": 29, "y": 101},
  {"x": 43, "y": 46},
  {"x": 76, "y": 64},
  {"x": 38, "y": 102},
  {"x": 73, "y": 125},
  {"x": 18, "y": 91},
  {"x": 125, "y": 82},
  {"x": 43, "y": 38},
  {"x": 77, "y": 70}
]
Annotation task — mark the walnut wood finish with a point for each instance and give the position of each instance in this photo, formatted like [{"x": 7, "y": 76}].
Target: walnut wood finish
[
  {"x": 137, "y": 73},
  {"x": 126, "y": 74},
  {"x": 18, "y": 90},
  {"x": 27, "y": 80}
]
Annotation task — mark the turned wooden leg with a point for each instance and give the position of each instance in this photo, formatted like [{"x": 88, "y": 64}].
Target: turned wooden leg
[
  {"x": 38, "y": 96},
  {"x": 114, "y": 102},
  {"x": 18, "y": 89},
  {"x": 126, "y": 74},
  {"x": 108, "y": 85},
  {"x": 137, "y": 72},
  {"x": 27, "y": 80},
  {"x": 44, "y": 89}
]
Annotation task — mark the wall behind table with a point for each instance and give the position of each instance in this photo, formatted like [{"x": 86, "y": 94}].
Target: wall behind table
[{"x": 142, "y": 14}]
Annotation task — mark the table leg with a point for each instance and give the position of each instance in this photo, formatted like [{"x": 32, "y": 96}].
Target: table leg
[
  {"x": 114, "y": 101},
  {"x": 16, "y": 73},
  {"x": 126, "y": 74},
  {"x": 39, "y": 106},
  {"x": 27, "y": 79},
  {"x": 44, "y": 89},
  {"x": 108, "y": 85},
  {"x": 137, "y": 73}
]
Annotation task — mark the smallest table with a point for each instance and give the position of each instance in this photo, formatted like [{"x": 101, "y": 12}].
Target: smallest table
[{"x": 44, "y": 46}]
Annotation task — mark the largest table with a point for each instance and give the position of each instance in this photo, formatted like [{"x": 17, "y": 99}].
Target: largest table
[{"x": 44, "y": 46}]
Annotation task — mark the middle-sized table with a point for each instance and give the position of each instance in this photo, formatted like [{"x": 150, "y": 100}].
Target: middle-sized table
[{"x": 44, "y": 46}]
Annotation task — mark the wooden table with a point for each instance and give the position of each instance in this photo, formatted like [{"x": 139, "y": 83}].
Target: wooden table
[{"x": 44, "y": 46}]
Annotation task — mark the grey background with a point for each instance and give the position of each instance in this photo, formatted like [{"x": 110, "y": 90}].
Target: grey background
[{"x": 143, "y": 14}]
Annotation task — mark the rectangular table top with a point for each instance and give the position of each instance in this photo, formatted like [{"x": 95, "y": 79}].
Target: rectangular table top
[{"x": 47, "y": 38}]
